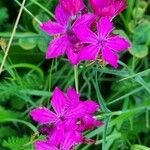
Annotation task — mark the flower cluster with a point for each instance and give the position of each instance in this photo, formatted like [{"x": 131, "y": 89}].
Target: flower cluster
[
  {"x": 65, "y": 124},
  {"x": 85, "y": 35},
  {"x": 82, "y": 35}
]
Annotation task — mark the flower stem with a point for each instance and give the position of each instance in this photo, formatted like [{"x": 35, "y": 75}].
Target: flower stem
[
  {"x": 99, "y": 96},
  {"x": 42, "y": 7},
  {"x": 76, "y": 78},
  {"x": 147, "y": 118},
  {"x": 104, "y": 109},
  {"x": 12, "y": 36},
  {"x": 29, "y": 13},
  {"x": 104, "y": 141}
]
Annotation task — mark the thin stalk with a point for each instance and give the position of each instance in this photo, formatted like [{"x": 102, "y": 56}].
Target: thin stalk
[
  {"x": 136, "y": 12},
  {"x": 104, "y": 109},
  {"x": 147, "y": 118},
  {"x": 76, "y": 78},
  {"x": 100, "y": 98},
  {"x": 28, "y": 12},
  {"x": 125, "y": 24},
  {"x": 104, "y": 141},
  {"x": 42, "y": 7},
  {"x": 120, "y": 112},
  {"x": 12, "y": 36},
  {"x": 133, "y": 63}
]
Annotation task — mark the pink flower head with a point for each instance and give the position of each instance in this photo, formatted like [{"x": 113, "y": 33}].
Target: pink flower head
[
  {"x": 65, "y": 39},
  {"x": 72, "y": 6},
  {"x": 68, "y": 140},
  {"x": 101, "y": 43},
  {"x": 67, "y": 108},
  {"x": 70, "y": 118},
  {"x": 107, "y": 8}
]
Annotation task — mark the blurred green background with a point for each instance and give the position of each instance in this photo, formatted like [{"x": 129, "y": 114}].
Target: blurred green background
[{"x": 28, "y": 80}]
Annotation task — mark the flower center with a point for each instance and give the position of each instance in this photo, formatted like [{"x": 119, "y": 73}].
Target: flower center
[
  {"x": 62, "y": 118},
  {"x": 74, "y": 41},
  {"x": 72, "y": 37},
  {"x": 101, "y": 42}
]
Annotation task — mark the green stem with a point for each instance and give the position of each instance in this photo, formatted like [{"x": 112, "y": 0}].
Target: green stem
[
  {"x": 104, "y": 109},
  {"x": 120, "y": 112},
  {"x": 33, "y": 128},
  {"x": 29, "y": 13},
  {"x": 76, "y": 78},
  {"x": 147, "y": 118},
  {"x": 100, "y": 98},
  {"x": 12, "y": 35},
  {"x": 42, "y": 7},
  {"x": 104, "y": 141}
]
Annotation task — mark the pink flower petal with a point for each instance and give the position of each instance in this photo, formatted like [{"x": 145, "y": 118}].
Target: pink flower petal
[
  {"x": 57, "y": 47},
  {"x": 117, "y": 43},
  {"x": 52, "y": 28},
  {"x": 73, "y": 97},
  {"x": 71, "y": 138},
  {"x": 70, "y": 123},
  {"x": 76, "y": 112},
  {"x": 88, "y": 122},
  {"x": 72, "y": 55},
  {"x": 61, "y": 15},
  {"x": 110, "y": 57},
  {"x": 107, "y": 8},
  {"x": 86, "y": 35},
  {"x": 118, "y": 6},
  {"x": 91, "y": 106},
  {"x": 72, "y": 6},
  {"x": 41, "y": 145},
  {"x": 43, "y": 115},
  {"x": 58, "y": 101},
  {"x": 97, "y": 5},
  {"x": 54, "y": 137},
  {"x": 84, "y": 20},
  {"x": 88, "y": 53},
  {"x": 104, "y": 27},
  {"x": 108, "y": 11}
]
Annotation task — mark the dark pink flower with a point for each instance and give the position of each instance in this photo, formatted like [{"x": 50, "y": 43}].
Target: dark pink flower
[
  {"x": 67, "y": 108},
  {"x": 88, "y": 122},
  {"x": 44, "y": 145},
  {"x": 69, "y": 118},
  {"x": 101, "y": 44},
  {"x": 65, "y": 39},
  {"x": 85, "y": 121},
  {"x": 72, "y": 6},
  {"x": 68, "y": 140},
  {"x": 107, "y": 8}
]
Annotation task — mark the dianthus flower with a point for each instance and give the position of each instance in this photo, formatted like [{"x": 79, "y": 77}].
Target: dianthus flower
[
  {"x": 101, "y": 43},
  {"x": 72, "y": 6},
  {"x": 107, "y": 8},
  {"x": 65, "y": 39},
  {"x": 70, "y": 115},
  {"x": 67, "y": 140}
]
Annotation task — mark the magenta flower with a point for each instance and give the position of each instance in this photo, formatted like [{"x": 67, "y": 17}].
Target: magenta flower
[
  {"x": 67, "y": 108},
  {"x": 69, "y": 140},
  {"x": 107, "y": 8},
  {"x": 70, "y": 118},
  {"x": 44, "y": 145},
  {"x": 101, "y": 44},
  {"x": 72, "y": 6},
  {"x": 65, "y": 39},
  {"x": 86, "y": 121}
]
